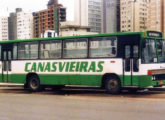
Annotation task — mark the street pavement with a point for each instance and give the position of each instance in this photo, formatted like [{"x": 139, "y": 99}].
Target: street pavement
[{"x": 80, "y": 104}]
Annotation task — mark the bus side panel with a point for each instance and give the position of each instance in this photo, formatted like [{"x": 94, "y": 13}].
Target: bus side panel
[
  {"x": 17, "y": 78},
  {"x": 89, "y": 80},
  {"x": 135, "y": 80},
  {"x": 1, "y": 78},
  {"x": 67, "y": 72},
  {"x": 52, "y": 79},
  {"x": 145, "y": 81}
]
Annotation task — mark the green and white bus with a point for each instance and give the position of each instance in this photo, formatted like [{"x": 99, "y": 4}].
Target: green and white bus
[{"x": 112, "y": 61}]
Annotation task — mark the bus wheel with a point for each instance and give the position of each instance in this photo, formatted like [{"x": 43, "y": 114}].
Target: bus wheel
[
  {"x": 34, "y": 83},
  {"x": 112, "y": 85}
]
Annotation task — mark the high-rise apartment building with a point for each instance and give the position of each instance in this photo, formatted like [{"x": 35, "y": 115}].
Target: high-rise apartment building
[
  {"x": 163, "y": 16},
  {"x": 89, "y": 13},
  {"x": 49, "y": 18},
  {"x": 134, "y": 15},
  {"x": 12, "y": 21},
  {"x": 24, "y": 25},
  {"x": 111, "y": 16},
  {"x": 154, "y": 15},
  {"x": 3, "y": 28},
  {"x": 140, "y": 15},
  {"x": 43, "y": 20},
  {"x": 20, "y": 25},
  {"x": 157, "y": 15}
]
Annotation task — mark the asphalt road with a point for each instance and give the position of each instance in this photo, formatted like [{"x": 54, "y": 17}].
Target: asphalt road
[{"x": 80, "y": 104}]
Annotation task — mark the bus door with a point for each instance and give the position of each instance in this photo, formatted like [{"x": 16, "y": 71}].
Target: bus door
[
  {"x": 131, "y": 64},
  {"x": 6, "y": 62}
]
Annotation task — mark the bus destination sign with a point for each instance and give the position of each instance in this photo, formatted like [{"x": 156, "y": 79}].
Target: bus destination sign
[{"x": 154, "y": 34}]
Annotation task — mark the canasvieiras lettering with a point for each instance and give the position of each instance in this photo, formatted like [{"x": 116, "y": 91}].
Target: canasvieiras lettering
[{"x": 92, "y": 66}]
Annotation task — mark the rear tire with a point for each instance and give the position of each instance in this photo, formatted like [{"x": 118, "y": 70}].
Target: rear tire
[
  {"x": 112, "y": 85},
  {"x": 34, "y": 84}
]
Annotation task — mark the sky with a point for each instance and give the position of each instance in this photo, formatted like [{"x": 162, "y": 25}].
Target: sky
[{"x": 8, "y": 6}]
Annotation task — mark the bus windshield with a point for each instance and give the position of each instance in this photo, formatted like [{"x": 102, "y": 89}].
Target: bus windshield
[
  {"x": 149, "y": 51},
  {"x": 153, "y": 51},
  {"x": 161, "y": 50}
]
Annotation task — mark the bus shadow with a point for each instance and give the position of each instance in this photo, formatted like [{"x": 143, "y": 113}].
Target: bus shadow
[
  {"x": 78, "y": 91},
  {"x": 102, "y": 93},
  {"x": 14, "y": 90}
]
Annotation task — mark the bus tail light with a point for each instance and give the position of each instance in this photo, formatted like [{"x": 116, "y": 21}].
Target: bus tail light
[{"x": 149, "y": 72}]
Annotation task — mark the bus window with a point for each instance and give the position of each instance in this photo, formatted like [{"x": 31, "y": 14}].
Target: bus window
[
  {"x": 28, "y": 51},
  {"x": 103, "y": 47},
  {"x": 75, "y": 48},
  {"x": 135, "y": 58},
  {"x": 161, "y": 50},
  {"x": 50, "y": 49},
  {"x": 135, "y": 51},
  {"x": 149, "y": 51},
  {"x": 9, "y": 55},
  {"x": 4, "y": 55},
  {"x": 44, "y": 52},
  {"x": 127, "y": 51},
  {"x": 15, "y": 51},
  {"x": 23, "y": 51},
  {"x": 127, "y": 57},
  {"x": 33, "y": 51}
]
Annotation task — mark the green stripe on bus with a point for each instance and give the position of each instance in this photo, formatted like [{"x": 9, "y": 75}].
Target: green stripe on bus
[{"x": 89, "y": 80}]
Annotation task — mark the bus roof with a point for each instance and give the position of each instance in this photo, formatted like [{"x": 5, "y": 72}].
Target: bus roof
[{"x": 143, "y": 34}]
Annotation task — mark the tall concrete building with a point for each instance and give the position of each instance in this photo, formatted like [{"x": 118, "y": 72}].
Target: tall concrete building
[
  {"x": 89, "y": 13},
  {"x": 163, "y": 16},
  {"x": 52, "y": 2},
  {"x": 157, "y": 15},
  {"x": 154, "y": 22},
  {"x": 140, "y": 15},
  {"x": 3, "y": 28},
  {"x": 134, "y": 15},
  {"x": 111, "y": 16},
  {"x": 20, "y": 25},
  {"x": 24, "y": 25},
  {"x": 49, "y": 19},
  {"x": 12, "y": 21}
]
